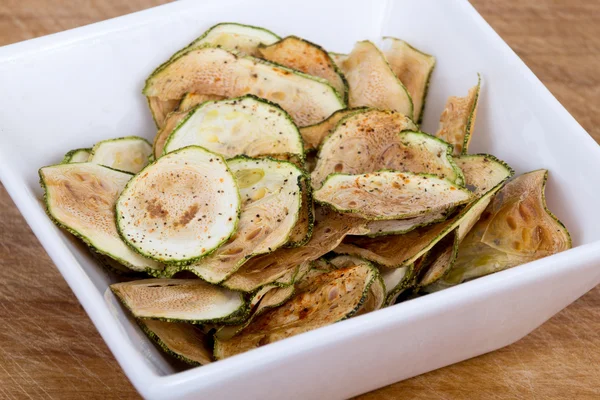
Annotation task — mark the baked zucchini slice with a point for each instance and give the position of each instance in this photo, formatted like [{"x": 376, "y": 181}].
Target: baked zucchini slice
[
  {"x": 377, "y": 292},
  {"x": 514, "y": 229},
  {"x": 179, "y": 300},
  {"x": 413, "y": 68},
  {"x": 388, "y": 195},
  {"x": 372, "y": 83},
  {"x": 400, "y": 226},
  {"x": 217, "y": 71},
  {"x": 396, "y": 281},
  {"x": 396, "y": 251},
  {"x": 180, "y": 208},
  {"x": 370, "y": 141},
  {"x": 302, "y": 55},
  {"x": 191, "y": 100},
  {"x": 160, "y": 109},
  {"x": 313, "y": 135},
  {"x": 271, "y": 195},
  {"x": 439, "y": 260},
  {"x": 81, "y": 198},
  {"x": 338, "y": 58},
  {"x": 320, "y": 300},
  {"x": 76, "y": 156},
  {"x": 306, "y": 218},
  {"x": 458, "y": 119},
  {"x": 244, "y": 126},
  {"x": 329, "y": 230},
  {"x": 186, "y": 342},
  {"x": 129, "y": 154}
]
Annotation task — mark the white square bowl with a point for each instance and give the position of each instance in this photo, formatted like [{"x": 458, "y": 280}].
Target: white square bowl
[{"x": 75, "y": 88}]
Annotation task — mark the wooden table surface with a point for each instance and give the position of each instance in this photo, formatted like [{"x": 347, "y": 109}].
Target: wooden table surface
[{"x": 50, "y": 349}]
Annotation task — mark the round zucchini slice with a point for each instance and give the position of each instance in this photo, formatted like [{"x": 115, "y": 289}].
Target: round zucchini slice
[
  {"x": 271, "y": 195},
  {"x": 180, "y": 208},
  {"x": 81, "y": 198},
  {"x": 217, "y": 71},
  {"x": 76, "y": 156},
  {"x": 302, "y": 55},
  {"x": 330, "y": 228},
  {"x": 186, "y": 342},
  {"x": 413, "y": 68},
  {"x": 396, "y": 251},
  {"x": 313, "y": 135},
  {"x": 129, "y": 154},
  {"x": 372, "y": 140},
  {"x": 321, "y": 300},
  {"x": 247, "y": 125},
  {"x": 515, "y": 228},
  {"x": 173, "y": 300},
  {"x": 458, "y": 119},
  {"x": 388, "y": 195},
  {"x": 372, "y": 83}
]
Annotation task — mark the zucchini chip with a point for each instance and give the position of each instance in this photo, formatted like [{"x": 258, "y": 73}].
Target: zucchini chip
[
  {"x": 81, "y": 198},
  {"x": 217, "y": 71},
  {"x": 439, "y": 260},
  {"x": 271, "y": 196},
  {"x": 173, "y": 300},
  {"x": 313, "y": 135},
  {"x": 76, "y": 156},
  {"x": 306, "y": 219},
  {"x": 396, "y": 251},
  {"x": 372, "y": 83},
  {"x": 400, "y": 226},
  {"x": 377, "y": 292},
  {"x": 514, "y": 229},
  {"x": 413, "y": 68},
  {"x": 372, "y": 140},
  {"x": 321, "y": 300},
  {"x": 338, "y": 58},
  {"x": 180, "y": 208},
  {"x": 184, "y": 341},
  {"x": 396, "y": 281},
  {"x": 191, "y": 100},
  {"x": 302, "y": 55},
  {"x": 244, "y": 126},
  {"x": 458, "y": 119},
  {"x": 390, "y": 195},
  {"x": 129, "y": 154},
  {"x": 160, "y": 109},
  {"x": 329, "y": 230}
]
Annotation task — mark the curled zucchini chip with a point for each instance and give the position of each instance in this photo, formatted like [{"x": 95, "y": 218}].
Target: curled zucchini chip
[
  {"x": 321, "y": 300},
  {"x": 160, "y": 109},
  {"x": 81, "y": 198},
  {"x": 313, "y": 135},
  {"x": 247, "y": 125},
  {"x": 399, "y": 226},
  {"x": 76, "y": 156},
  {"x": 191, "y": 100},
  {"x": 370, "y": 141},
  {"x": 129, "y": 154},
  {"x": 329, "y": 230},
  {"x": 306, "y": 218},
  {"x": 233, "y": 36},
  {"x": 183, "y": 341},
  {"x": 338, "y": 58},
  {"x": 217, "y": 71},
  {"x": 440, "y": 259},
  {"x": 302, "y": 55},
  {"x": 396, "y": 281},
  {"x": 271, "y": 195},
  {"x": 377, "y": 292},
  {"x": 389, "y": 195},
  {"x": 396, "y": 251},
  {"x": 458, "y": 119},
  {"x": 189, "y": 300},
  {"x": 515, "y": 228},
  {"x": 372, "y": 83},
  {"x": 180, "y": 208},
  {"x": 413, "y": 68}
]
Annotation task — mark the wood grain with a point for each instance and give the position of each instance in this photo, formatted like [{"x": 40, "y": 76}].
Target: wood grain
[{"x": 50, "y": 350}]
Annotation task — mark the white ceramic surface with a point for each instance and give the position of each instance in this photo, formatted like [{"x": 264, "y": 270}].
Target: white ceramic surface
[{"x": 77, "y": 87}]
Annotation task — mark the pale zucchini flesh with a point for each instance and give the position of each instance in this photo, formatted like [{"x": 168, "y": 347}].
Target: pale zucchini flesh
[
  {"x": 458, "y": 119},
  {"x": 413, "y": 68},
  {"x": 81, "y": 198},
  {"x": 183, "y": 341},
  {"x": 129, "y": 154},
  {"x": 244, "y": 126},
  {"x": 271, "y": 195},
  {"x": 307, "y": 99},
  {"x": 372, "y": 83},
  {"x": 161, "y": 108},
  {"x": 302, "y": 55},
  {"x": 389, "y": 195},
  {"x": 76, "y": 156},
  {"x": 327, "y": 298},
  {"x": 191, "y": 100},
  {"x": 183, "y": 300},
  {"x": 180, "y": 208},
  {"x": 313, "y": 135}
]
